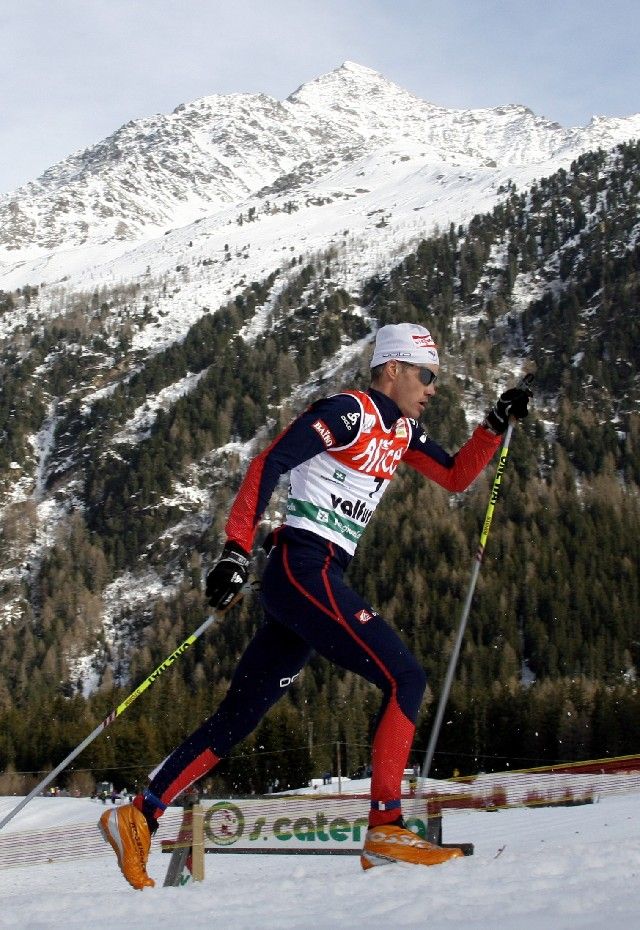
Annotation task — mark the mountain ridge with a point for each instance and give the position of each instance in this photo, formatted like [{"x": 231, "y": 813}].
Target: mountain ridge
[{"x": 164, "y": 171}]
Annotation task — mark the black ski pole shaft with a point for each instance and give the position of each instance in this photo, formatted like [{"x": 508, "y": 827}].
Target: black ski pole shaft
[
  {"x": 464, "y": 616},
  {"x": 120, "y": 709}
]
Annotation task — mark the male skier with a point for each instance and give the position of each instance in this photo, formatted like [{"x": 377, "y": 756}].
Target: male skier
[{"x": 341, "y": 453}]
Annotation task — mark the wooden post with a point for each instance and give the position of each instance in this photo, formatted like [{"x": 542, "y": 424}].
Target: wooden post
[
  {"x": 187, "y": 852},
  {"x": 197, "y": 843}
]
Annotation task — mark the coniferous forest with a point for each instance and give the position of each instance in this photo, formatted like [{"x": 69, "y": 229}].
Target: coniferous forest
[{"x": 549, "y": 281}]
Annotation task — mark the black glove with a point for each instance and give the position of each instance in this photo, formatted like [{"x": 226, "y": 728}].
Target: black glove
[
  {"x": 513, "y": 403},
  {"x": 228, "y": 576}
]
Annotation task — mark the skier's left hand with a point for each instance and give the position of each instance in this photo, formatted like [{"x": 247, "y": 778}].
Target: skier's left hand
[{"x": 513, "y": 403}]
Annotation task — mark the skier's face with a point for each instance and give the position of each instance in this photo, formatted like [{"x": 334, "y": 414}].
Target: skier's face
[{"x": 408, "y": 389}]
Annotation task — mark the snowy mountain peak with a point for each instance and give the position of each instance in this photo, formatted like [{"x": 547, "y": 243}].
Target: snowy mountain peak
[
  {"x": 209, "y": 157},
  {"x": 356, "y": 68},
  {"x": 349, "y": 74},
  {"x": 358, "y": 90}
]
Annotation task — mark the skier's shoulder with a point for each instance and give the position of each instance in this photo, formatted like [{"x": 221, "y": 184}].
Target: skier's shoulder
[
  {"x": 340, "y": 402},
  {"x": 342, "y": 411},
  {"x": 336, "y": 419}
]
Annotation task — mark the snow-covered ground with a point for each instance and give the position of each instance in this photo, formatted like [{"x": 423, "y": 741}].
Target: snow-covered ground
[{"x": 559, "y": 868}]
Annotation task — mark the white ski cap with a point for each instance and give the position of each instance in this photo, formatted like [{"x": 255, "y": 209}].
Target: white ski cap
[{"x": 407, "y": 342}]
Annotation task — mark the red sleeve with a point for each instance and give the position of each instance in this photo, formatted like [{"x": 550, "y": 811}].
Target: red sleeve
[
  {"x": 333, "y": 421},
  {"x": 465, "y": 465},
  {"x": 254, "y": 493}
]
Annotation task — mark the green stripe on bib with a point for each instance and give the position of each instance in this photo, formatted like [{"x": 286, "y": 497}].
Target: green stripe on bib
[{"x": 329, "y": 518}]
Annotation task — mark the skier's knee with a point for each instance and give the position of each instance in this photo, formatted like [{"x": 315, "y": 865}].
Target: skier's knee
[
  {"x": 411, "y": 684},
  {"x": 418, "y": 678}
]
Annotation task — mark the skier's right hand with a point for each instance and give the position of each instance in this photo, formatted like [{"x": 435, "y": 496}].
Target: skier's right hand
[
  {"x": 512, "y": 404},
  {"x": 228, "y": 576}
]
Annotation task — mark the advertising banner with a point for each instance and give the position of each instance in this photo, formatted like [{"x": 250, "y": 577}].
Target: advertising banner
[{"x": 300, "y": 823}]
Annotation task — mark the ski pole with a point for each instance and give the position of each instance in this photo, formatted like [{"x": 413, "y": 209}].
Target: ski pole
[
  {"x": 525, "y": 382},
  {"x": 120, "y": 709}
]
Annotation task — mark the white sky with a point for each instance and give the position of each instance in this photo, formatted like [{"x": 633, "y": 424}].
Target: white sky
[{"x": 73, "y": 71}]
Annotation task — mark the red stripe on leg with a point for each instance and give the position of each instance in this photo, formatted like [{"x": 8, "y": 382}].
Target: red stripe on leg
[
  {"x": 195, "y": 770},
  {"x": 391, "y": 746}
]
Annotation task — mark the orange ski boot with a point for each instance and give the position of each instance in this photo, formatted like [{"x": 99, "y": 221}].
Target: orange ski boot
[
  {"x": 127, "y": 832},
  {"x": 394, "y": 843}
]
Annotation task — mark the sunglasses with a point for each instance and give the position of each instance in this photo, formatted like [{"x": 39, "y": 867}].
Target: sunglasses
[{"x": 426, "y": 376}]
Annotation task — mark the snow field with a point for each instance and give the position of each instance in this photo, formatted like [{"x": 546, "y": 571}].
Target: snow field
[{"x": 559, "y": 868}]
